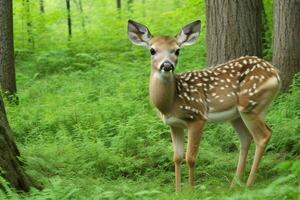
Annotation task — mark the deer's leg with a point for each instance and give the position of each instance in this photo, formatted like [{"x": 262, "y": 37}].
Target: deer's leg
[
  {"x": 245, "y": 141},
  {"x": 261, "y": 134},
  {"x": 251, "y": 108},
  {"x": 178, "y": 146},
  {"x": 194, "y": 137}
]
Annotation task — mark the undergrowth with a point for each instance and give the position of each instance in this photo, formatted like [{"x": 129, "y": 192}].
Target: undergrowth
[{"x": 93, "y": 134}]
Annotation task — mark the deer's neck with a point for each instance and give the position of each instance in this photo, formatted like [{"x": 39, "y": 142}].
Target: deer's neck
[{"x": 162, "y": 90}]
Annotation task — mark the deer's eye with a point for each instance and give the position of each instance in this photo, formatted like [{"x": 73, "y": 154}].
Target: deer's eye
[
  {"x": 152, "y": 51},
  {"x": 177, "y": 52}
]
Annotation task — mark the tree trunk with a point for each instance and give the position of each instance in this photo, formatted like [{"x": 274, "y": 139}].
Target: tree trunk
[
  {"x": 42, "y": 7},
  {"x": 69, "y": 19},
  {"x": 41, "y": 27},
  {"x": 7, "y": 65},
  {"x": 10, "y": 166},
  {"x": 119, "y": 4},
  {"x": 82, "y": 16},
  {"x": 233, "y": 29},
  {"x": 286, "y": 40},
  {"x": 26, "y": 4}
]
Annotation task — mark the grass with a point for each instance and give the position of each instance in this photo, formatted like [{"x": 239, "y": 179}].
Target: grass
[{"x": 89, "y": 132}]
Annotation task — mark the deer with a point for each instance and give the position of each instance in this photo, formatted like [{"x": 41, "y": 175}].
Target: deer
[{"x": 238, "y": 91}]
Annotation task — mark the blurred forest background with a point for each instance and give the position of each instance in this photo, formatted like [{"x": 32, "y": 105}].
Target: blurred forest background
[{"x": 83, "y": 122}]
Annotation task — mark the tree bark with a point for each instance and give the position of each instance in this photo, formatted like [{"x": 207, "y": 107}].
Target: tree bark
[
  {"x": 286, "y": 40},
  {"x": 233, "y": 29},
  {"x": 7, "y": 65},
  {"x": 10, "y": 166},
  {"x": 69, "y": 19}
]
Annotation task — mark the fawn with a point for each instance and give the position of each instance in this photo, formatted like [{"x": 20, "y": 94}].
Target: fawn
[{"x": 237, "y": 91}]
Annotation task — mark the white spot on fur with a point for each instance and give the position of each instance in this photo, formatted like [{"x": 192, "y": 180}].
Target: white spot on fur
[{"x": 264, "y": 64}]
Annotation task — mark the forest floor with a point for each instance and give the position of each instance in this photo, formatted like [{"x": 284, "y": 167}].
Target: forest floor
[{"x": 86, "y": 130}]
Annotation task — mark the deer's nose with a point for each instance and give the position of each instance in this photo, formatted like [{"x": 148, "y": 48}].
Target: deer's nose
[{"x": 167, "y": 66}]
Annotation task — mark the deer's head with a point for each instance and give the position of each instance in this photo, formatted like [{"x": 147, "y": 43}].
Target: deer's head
[{"x": 164, "y": 50}]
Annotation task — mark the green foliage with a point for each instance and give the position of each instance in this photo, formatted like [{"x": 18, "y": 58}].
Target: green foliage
[
  {"x": 86, "y": 129},
  {"x": 267, "y": 22},
  {"x": 285, "y": 120}
]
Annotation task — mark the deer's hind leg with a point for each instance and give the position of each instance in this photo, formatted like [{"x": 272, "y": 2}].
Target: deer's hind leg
[
  {"x": 261, "y": 135},
  {"x": 251, "y": 108}
]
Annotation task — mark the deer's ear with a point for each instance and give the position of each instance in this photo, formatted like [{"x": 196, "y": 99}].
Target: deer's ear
[
  {"x": 189, "y": 33},
  {"x": 138, "y": 33}
]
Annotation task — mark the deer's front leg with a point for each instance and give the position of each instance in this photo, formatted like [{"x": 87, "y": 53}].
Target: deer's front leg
[
  {"x": 194, "y": 137},
  {"x": 245, "y": 141},
  {"x": 178, "y": 146}
]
